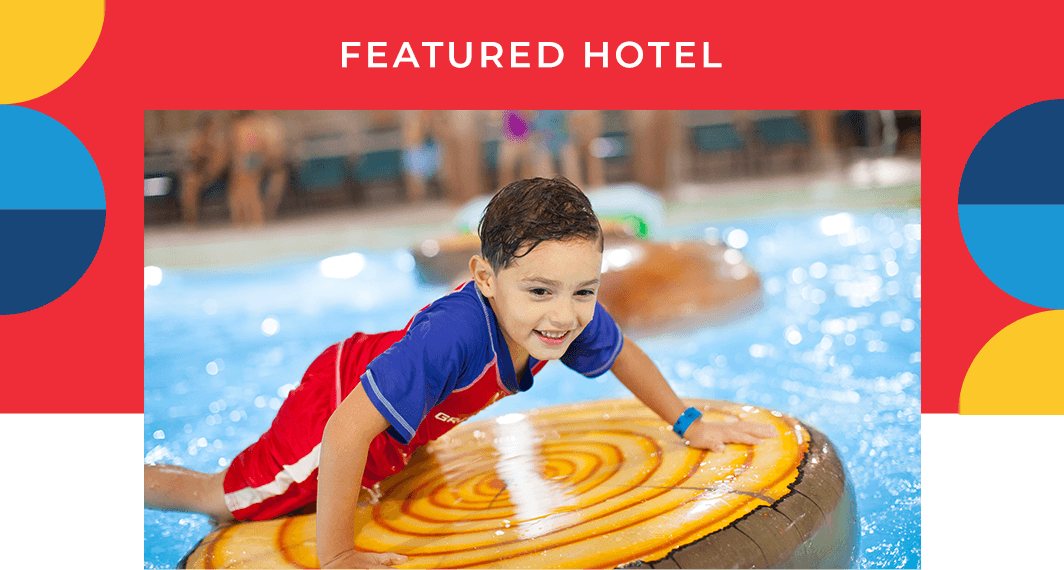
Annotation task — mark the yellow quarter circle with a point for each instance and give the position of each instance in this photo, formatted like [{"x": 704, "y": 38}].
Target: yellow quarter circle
[
  {"x": 44, "y": 43},
  {"x": 1020, "y": 371}
]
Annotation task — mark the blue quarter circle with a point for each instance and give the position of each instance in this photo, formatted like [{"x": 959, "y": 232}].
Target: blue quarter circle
[
  {"x": 1018, "y": 160},
  {"x": 43, "y": 166}
]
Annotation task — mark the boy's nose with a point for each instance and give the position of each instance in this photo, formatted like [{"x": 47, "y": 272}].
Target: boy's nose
[{"x": 563, "y": 316}]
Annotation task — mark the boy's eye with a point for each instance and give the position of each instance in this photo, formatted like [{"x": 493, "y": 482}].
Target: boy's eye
[{"x": 539, "y": 291}]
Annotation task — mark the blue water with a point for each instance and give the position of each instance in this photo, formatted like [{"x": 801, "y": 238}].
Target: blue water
[{"x": 836, "y": 345}]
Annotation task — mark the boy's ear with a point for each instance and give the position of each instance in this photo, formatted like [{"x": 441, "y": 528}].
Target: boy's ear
[{"x": 483, "y": 275}]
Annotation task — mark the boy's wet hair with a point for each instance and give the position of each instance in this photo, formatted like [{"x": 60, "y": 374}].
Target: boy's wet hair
[{"x": 529, "y": 212}]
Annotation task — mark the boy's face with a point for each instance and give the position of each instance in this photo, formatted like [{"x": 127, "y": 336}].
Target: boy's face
[{"x": 544, "y": 300}]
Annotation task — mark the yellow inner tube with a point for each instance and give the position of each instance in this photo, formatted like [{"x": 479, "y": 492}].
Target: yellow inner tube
[{"x": 594, "y": 485}]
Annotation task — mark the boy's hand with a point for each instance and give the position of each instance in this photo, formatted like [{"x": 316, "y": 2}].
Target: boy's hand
[
  {"x": 352, "y": 559},
  {"x": 713, "y": 435}
]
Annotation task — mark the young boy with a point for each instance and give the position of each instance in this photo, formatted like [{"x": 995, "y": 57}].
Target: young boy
[{"x": 368, "y": 402}]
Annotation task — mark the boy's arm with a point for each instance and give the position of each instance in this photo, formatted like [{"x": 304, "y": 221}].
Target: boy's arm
[
  {"x": 639, "y": 374},
  {"x": 344, "y": 448}
]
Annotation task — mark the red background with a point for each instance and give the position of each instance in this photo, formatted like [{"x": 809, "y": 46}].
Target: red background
[{"x": 964, "y": 69}]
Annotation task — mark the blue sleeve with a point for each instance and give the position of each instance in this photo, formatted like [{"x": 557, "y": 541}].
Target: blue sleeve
[
  {"x": 597, "y": 347},
  {"x": 422, "y": 368}
]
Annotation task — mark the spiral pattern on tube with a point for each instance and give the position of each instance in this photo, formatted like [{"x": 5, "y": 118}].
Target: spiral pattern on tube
[{"x": 583, "y": 486}]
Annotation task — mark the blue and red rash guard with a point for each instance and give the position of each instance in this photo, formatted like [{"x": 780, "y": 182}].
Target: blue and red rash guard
[{"x": 447, "y": 364}]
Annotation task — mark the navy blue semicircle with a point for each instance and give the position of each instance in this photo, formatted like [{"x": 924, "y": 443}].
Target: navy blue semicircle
[
  {"x": 1018, "y": 161},
  {"x": 45, "y": 253}
]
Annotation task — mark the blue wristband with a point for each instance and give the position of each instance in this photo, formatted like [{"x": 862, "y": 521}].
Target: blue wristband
[{"x": 687, "y": 418}]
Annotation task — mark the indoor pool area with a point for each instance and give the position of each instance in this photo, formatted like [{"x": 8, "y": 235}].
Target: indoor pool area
[{"x": 836, "y": 344}]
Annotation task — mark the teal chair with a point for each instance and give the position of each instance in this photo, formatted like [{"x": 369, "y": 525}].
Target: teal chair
[
  {"x": 775, "y": 132},
  {"x": 780, "y": 131},
  {"x": 716, "y": 138},
  {"x": 379, "y": 166},
  {"x": 713, "y": 133}
]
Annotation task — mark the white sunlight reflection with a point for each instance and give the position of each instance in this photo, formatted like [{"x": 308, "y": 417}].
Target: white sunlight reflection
[
  {"x": 618, "y": 258},
  {"x": 152, "y": 276},
  {"x": 509, "y": 419},
  {"x": 837, "y": 224},
  {"x": 737, "y": 239},
  {"x": 270, "y": 326},
  {"x": 518, "y": 466},
  {"x": 343, "y": 266}
]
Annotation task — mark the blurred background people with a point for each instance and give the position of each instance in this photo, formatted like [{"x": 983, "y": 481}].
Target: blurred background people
[
  {"x": 207, "y": 158},
  {"x": 463, "y": 161},
  {"x": 298, "y": 163},
  {"x": 257, "y": 169},
  {"x": 545, "y": 143},
  {"x": 584, "y": 129},
  {"x": 445, "y": 146},
  {"x": 426, "y": 140},
  {"x": 423, "y": 142},
  {"x": 520, "y": 155},
  {"x": 655, "y": 142}
]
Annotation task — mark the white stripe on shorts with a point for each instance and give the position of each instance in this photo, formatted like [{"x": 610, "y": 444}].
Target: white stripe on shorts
[
  {"x": 339, "y": 353},
  {"x": 290, "y": 474}
]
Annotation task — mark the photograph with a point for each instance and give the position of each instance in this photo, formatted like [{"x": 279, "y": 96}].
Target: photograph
[{"x": 339, "y": 305}]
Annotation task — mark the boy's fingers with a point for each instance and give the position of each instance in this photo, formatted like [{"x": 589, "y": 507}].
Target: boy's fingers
[
  {"x": 712, "y": 443},
  {"x": 750, "y": 428},
  {"x": 766, "y": 431},
  {"x": 740, "y": 437},
  {"x": 389, "y": 558},
  {"x": 751, "y": 434}
]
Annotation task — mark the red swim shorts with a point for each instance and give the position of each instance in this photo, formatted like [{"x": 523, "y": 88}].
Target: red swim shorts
[{"x": 279, "y": 473}]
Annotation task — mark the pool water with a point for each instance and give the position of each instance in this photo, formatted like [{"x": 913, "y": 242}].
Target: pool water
[{"x": 837, "y": 345}]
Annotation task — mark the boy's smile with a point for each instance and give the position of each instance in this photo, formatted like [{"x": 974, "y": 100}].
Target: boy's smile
[{"x": 544, "y": 299}]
